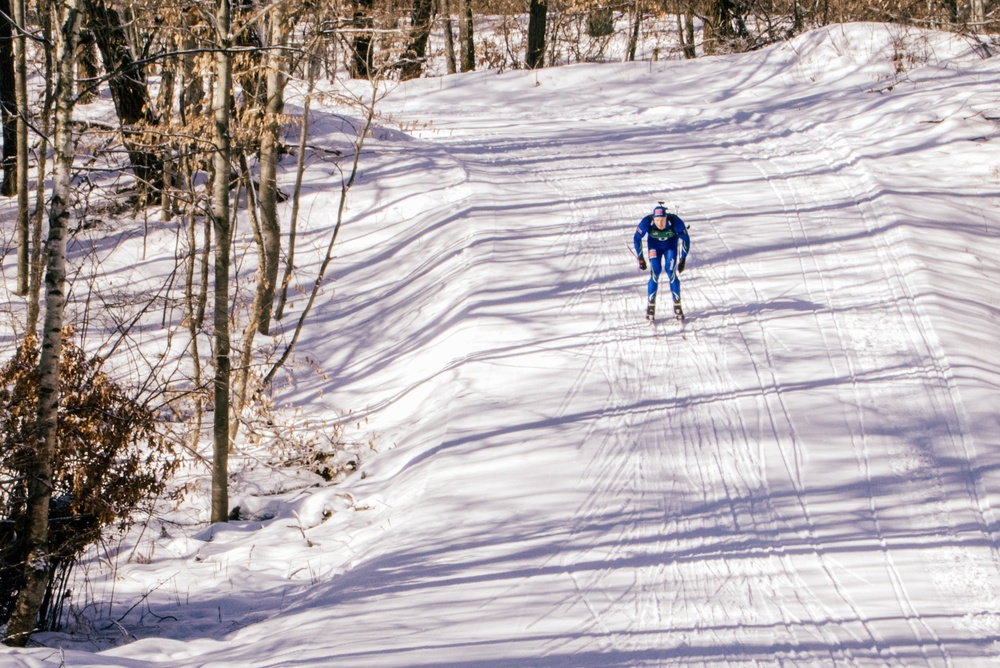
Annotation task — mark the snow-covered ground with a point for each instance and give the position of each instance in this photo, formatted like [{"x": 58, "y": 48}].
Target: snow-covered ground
[{"x": 805, "y": 473}]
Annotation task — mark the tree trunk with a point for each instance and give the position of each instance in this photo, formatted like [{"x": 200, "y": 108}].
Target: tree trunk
[
  {"x": 681, "y": 36},
  {"x": 192, "y": 90},
  {"x": 249, "y": 75},
  {"x": 449, "y": 38},
  {"x": 21, "y": 96},
  {"x": 977, "y": 14},
  {"x": 416, "y": 51},
  {"x": 738, "y": 12},
  {"x": 8, "y": 100},
  {"x": 164, "y": 109},
  {"x": 220, "y": 222},
  {"x": 14, "y": 100},
  {"x": 535, "y": 56},
  {"x": 270, "y": 225},
  {"x": 362, "y": 58},
  {"x": 724, "y": 26},
  {"x": 87, "y": 67},
  {"x": 690, "y": 49},
  {"x": 44, "y": 123},
  {"x": 297, "y": 193},
  {"x": 685, "y": 33},
  {"x": 37, "y": 566},
  {"x": 467, "y": 46},
  {"x": 129, "y": 90},
  {"x": 633, "y": 39},
  {"x": 716, "y": 28},
  {"x": 345, "y": 188},
  {"x": 195, "y": 310},
  {"x": 241, "y": 374}
]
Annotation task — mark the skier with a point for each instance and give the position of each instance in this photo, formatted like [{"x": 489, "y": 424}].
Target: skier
[{"x": 668, "y": 246}]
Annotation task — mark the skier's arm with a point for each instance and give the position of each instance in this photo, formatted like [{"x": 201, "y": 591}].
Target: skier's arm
[
  {"x": 683, "y": 239},
  {"x": 640, "y": 232},
  {"x": 683, "y": 246}
]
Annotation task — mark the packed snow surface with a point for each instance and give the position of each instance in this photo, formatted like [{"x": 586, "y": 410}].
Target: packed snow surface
[{"x": 804, "y": 473}]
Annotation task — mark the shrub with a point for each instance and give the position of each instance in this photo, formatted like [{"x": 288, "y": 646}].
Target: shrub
[{"x": 109, "y": 460}]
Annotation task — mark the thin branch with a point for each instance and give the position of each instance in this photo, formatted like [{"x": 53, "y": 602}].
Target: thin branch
[{"x": 345, "y": 188}]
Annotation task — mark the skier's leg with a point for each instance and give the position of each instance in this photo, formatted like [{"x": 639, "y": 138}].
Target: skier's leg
[
  {"x": 655, "y": 267},
  {"x": 675, "y": 280}
]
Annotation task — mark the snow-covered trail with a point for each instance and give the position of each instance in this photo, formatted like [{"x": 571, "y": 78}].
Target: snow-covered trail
[
  {"x": 786, "y": 479},
  {"x": 800, "y": 475}
]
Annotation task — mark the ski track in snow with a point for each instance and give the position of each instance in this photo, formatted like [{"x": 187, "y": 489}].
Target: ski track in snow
[
  {"x": 643, "y": 596},
  {"x": 789, "y": 478}
]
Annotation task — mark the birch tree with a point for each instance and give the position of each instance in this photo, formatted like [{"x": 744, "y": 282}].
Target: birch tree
[{"x": 23, "y": 620}]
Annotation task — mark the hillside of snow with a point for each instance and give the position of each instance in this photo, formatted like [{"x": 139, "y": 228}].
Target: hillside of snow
[{"x": 804, "y": 473}]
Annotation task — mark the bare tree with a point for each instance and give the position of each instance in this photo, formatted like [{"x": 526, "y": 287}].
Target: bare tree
[
  {"x": 192, "y": 91},
  {"x": 21, "y": 97},
  {"x": 449, "y": 37},
  {"x": 977, "y": 12},
  {"x": 633, "y": 39},
  {"x": 129, "y": 90},
  {"x": 724, "y": 26},
  {"x": 8, "y": 100},
  {"x": 45, "y": 17},
  {"x": 270, "y": 225},
  {"x": 416, "y": 50},
  {"x": 23, "y": 620},
  {"x": 362, "y": 64},
  {"x": 18, "y": 148},
  {"x": 241, "y": 374},
  {"x": 685, "y": 32},
  {"x": 194, "y": 302},
  {"x": 249, "y": 73},
  {"x": 220, "y": 220},
  {"x": 467, "y": 47},
  {"x": 88, "y": 66},
  {"x": 347, "y": 182},
  {"x": 311, "y": 66},
  {"x": 535, "y": 55}
]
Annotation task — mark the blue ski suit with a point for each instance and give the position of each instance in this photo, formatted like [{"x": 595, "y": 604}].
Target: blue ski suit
[{"x": 667, "y": 247}]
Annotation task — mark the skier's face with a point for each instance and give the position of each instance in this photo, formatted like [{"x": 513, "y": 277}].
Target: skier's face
[{"x": 660, "y": 222}]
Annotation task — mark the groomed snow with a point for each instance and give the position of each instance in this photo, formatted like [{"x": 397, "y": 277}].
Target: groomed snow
[{"x": 803, "y": 474}]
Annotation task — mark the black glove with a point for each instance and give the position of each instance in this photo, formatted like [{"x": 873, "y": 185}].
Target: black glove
[
  {"x": 642, "y": 263},
  {"x": 680, "y": 265}
]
